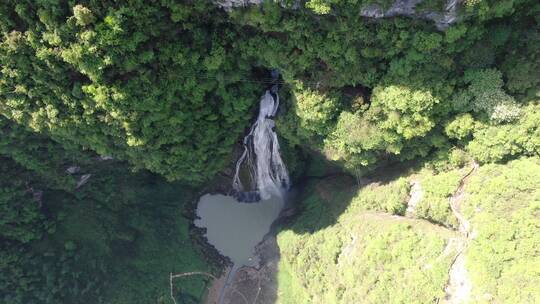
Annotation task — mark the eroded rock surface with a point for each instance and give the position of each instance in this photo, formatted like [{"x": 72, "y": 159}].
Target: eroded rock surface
[
  {"x": 408, "y": 8},
  {"x": 230, "y": 4}
]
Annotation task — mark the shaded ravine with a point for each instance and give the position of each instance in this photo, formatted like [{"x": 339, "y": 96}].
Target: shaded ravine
[{"x": 270, "y": 179}]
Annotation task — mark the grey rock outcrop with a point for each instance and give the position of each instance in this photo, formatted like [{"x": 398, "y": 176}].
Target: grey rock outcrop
[
  {"x": 407, "y": 8},
  {"x": 230, "y": 4},
  {"x": 73, "y": 170},
  {"x": 442, "y": 19},
  {"x": 83, "y": 180}
]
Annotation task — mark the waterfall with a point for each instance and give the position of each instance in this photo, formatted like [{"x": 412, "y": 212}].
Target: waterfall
[{"x": 261, "y": 152}]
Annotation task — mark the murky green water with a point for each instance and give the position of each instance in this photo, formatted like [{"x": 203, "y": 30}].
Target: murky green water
[{"x": 236, "y": 228}]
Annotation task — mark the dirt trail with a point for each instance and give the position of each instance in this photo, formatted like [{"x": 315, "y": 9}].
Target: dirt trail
[
  {"x": 216, "y": 287},
  {"x": 459, "y": 286}
]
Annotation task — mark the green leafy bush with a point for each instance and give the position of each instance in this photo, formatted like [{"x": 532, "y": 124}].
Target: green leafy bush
[
  {"x": 436, "y": 192},
  {"x": 391, "y": 197},
  {"x": 503, "y": 142},
  {"x": 460, "y": 127},
  {"x": 315, "y": 111}
]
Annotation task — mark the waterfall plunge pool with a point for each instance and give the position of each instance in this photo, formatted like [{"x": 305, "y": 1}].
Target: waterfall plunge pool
[{"x": 235, "y": 228}]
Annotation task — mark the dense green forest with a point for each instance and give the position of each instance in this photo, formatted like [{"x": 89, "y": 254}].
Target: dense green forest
[{"x": 115, "y": 114}]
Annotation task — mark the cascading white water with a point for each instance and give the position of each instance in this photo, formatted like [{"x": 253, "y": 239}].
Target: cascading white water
[{"x": 261, "y": 150}]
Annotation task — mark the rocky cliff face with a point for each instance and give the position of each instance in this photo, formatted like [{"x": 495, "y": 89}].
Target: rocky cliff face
[
  {"x": 407, "y": 8},
  {"x": 230, "y": 4}
]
